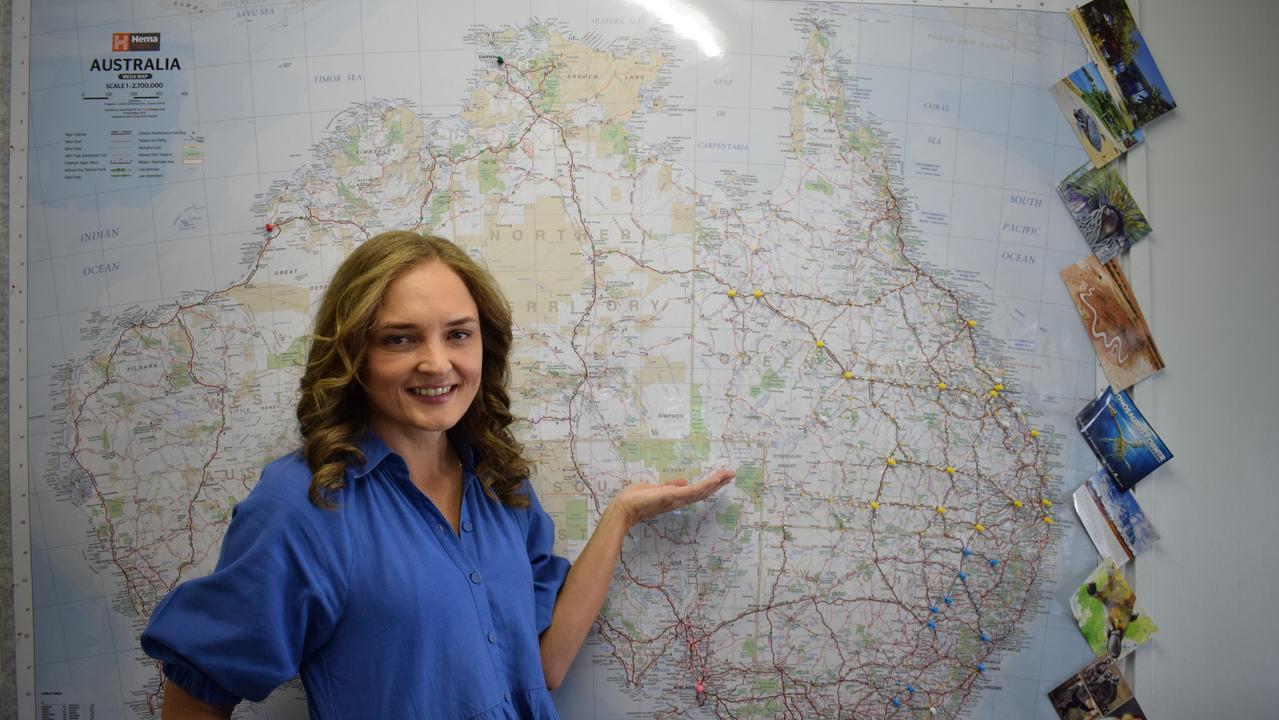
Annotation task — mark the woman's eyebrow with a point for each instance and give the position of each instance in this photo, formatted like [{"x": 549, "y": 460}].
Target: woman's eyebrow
[{"x": 407, "y": 325}]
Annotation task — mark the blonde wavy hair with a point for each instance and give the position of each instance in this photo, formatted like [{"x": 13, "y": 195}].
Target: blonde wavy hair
[{"x": 333, "y": 408}]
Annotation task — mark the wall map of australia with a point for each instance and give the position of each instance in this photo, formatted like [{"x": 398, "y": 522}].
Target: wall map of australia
[{"x": 817, "y": 258}]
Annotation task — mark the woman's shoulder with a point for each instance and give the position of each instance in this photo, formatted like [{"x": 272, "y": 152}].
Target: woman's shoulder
[
  {"x": 284, "y": 489},
  {"x": 287, "y": 477}
]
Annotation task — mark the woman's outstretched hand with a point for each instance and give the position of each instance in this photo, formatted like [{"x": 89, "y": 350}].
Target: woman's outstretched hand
[
  {"x": 586, "y": 586},
  {"x": 640, "y": 501}
]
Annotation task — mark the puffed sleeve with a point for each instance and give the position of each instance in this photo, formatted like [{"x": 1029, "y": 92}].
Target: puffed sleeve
[
  {"x": 274, "y": 597},
  {"x": 549, "y": 569}
]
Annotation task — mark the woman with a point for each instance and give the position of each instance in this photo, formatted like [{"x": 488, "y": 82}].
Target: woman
[{"x": 400, "y": 560}]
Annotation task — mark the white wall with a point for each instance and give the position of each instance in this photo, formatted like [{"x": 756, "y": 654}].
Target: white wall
[{"x": 1208, "y": 287}]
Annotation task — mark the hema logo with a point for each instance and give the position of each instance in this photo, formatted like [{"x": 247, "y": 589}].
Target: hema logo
[{"x": 135, "y": 42}]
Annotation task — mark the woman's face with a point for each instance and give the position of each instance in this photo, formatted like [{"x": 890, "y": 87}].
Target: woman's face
[{"x": 422, "y": 368}]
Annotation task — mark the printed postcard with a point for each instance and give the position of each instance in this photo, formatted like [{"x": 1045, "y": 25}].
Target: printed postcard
[
  {"x": 1128, "y": 448},
  {"x": 1104, "y": 210},
  {"x": 1113, "y": 320},
  {"x": 1123, "y": 58},
  {"x": 1113, "y": 519},
  {"x": 1128, "y": 711},
  {"x": 1103, "y": 128},
  {"x": 1094, "y": 692},
  {"x": 1106, "y": 610}
]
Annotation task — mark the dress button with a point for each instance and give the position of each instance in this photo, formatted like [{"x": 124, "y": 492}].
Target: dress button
[
  {"x": 475, "y": 577},
  {"x": 467, "y": 526},
  {"x": 507, "y": 696},
  {"x": 492, "y": 638}
]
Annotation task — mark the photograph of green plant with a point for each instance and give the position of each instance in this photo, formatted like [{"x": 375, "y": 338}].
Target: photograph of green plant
[{"x": 1104, "y": 210}]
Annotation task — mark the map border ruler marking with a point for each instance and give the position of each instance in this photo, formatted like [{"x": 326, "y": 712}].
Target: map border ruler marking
[
  {"x": 19, "y": 486},
  {"x": 1053, "y": 6}
]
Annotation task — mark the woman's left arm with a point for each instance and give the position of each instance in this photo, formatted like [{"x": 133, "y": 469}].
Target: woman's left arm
[{"x": 586, "y": 585}]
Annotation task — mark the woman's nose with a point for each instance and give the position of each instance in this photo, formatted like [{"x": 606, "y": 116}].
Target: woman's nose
[{"x": 432, "y": 359}]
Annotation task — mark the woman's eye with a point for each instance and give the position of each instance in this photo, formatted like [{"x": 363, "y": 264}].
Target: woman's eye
[
  {"x": 396, "y": 339},
  {"x": 459, "y": 334}
]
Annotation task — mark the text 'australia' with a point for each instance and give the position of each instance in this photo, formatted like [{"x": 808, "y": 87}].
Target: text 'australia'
[{"x": 133, "y": 64}]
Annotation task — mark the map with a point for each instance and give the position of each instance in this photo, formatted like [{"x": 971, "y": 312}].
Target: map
[{"x": 817, "y": 243}]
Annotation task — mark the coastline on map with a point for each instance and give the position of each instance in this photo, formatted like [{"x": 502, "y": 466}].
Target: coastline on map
[
  {"x": 1113, "y": 320},
  {"x": 1120, "y": 51}
]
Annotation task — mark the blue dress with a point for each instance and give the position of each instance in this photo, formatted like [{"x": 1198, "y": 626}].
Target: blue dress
[{"x": 384, "y": 611}]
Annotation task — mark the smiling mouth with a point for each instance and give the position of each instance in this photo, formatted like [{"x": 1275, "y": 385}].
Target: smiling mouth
[{"x": 431, "y": 391}]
